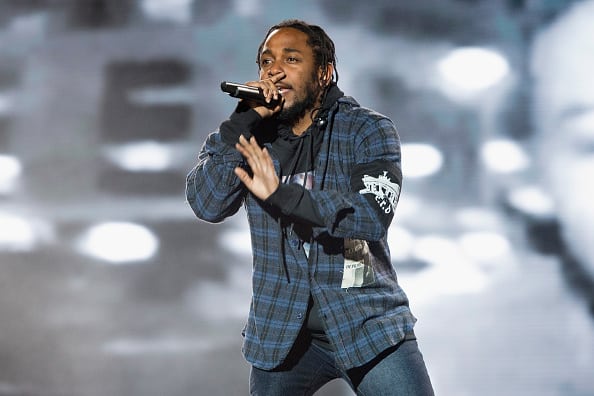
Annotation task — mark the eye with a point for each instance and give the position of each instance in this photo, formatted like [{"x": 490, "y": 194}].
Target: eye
[
  {"x": 292, "y": 59},
  {"x": 265, "y": 62}
]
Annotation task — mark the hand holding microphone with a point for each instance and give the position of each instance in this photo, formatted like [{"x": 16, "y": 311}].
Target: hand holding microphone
[
  {"x": 264, "y": 94},
  {"x": 247, "y": 92}
]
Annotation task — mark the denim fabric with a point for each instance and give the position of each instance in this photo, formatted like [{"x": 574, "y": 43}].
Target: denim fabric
[{"x": 399, "y": 370}]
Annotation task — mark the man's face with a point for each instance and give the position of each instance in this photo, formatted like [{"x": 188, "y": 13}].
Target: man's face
[
  {"x": 286, "y": 50},
  {"x": 563, "y": 62}
]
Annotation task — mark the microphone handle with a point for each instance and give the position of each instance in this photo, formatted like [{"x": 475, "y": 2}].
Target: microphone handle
[{"x": 241, "y": 91}]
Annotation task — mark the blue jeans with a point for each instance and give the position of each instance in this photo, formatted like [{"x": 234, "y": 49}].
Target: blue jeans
[{"x": 399, "y": 370}]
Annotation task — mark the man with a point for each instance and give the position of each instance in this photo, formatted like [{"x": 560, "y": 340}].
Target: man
[
  {"x": 561, "y": 63},
  {"x": 528, "y": 334},
  {"x": 320, "y": 178}
]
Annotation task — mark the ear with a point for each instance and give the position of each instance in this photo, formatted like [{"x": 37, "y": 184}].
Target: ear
[{"x": 325, "y": 75}]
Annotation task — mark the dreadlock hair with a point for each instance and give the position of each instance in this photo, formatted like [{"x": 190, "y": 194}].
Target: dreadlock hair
[{"x": 321, "y": 44}]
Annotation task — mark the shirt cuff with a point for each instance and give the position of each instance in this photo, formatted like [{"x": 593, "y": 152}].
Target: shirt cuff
[{"x": 241, "y": 122}]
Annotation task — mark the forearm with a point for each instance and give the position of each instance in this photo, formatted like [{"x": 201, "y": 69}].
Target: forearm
[
  {"x": 349, "y": 215},
  {"x": 212, "y": 189},
  {"x": 339, "y": 214},
  {"x": 364, "y": 210},
  {"x": 295, "y": 201}
]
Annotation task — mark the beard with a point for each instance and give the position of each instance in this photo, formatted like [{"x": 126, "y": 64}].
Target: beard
[{"x": 297, "y": 111}]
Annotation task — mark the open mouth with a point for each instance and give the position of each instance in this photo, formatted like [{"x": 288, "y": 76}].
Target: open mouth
[{"x": 282, "y": 88}]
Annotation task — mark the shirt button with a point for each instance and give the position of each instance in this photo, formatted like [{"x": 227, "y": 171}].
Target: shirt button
[{"x": 299, "y": 315}]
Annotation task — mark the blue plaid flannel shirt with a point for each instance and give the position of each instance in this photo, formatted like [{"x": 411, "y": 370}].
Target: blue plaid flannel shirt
[{"x": 361, "y": 322}]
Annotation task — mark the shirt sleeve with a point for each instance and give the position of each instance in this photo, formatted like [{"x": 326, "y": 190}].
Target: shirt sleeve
[
  {"x": 379, "y": 182},
  {"x": 213, "y": 191},
  {"x": 364, "y": 207},
  {"x": 239, "y": 123}
]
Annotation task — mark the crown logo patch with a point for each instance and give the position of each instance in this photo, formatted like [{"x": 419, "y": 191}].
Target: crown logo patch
[{"x": 386, "y": 192}]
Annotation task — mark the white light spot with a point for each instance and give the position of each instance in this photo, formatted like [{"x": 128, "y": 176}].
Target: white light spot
[
  {"x": 221, "y": 301},
  {"x": 237, "y": 241},
  {"x": 144, "y": 156},
  {"x": 16, "y": 234},
  {"x": 408, "y": 206},
  {"x": 504, "y": 156},
  {"x": 420, "y": 160},
  {"x": 449, "y": 271},
  {"x": 471, "y": 69},
  {"x": 247, "y": 8},
  {"x": 150, "y": 96},
  {"x": 168, "y": 10},
  {"x": 6, "y": 104},
  {"x": 401, "y": 243},
  {"x": 10, "y": 171},
  {"x": 437, "y": 250},
  {"x": 159, "y": 346},
  {"x": 30, "y": 26},
  {"x": 119, "y": 242},
  {"x": 532, "y": 200},
  {"x": 484, "y": 246},
  {"x": 478, "y": 218}
]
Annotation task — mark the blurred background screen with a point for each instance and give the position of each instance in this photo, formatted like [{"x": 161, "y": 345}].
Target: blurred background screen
[{"x": 110, "y": 286}]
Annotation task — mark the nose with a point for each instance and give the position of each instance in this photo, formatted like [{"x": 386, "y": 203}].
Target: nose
[{"x": 275, "y": 68}]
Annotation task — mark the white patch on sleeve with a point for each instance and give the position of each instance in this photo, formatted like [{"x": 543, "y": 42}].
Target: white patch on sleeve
[
  {"x": 386, "y": 192},
  {"x": 357, "y": 271}
]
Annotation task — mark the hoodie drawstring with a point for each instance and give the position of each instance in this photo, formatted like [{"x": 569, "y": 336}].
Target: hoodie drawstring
[
  {"x": 321, "y": 122},
  {"x": 281, "y": 245}
]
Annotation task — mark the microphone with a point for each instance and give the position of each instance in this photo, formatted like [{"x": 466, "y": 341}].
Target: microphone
[{"x": 249, "y": 93}]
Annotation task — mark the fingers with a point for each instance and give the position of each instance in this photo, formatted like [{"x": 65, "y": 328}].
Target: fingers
[
  {"x": 262, "y": 181},
  {"x": 245, "y": 148},
  {"x": 267, "y": 158},
  {"x": 243, "y": 176},
  {"x": 251, "y": 151},
  {"x": 272, "y": 81},
  {"x": 270, "y": 92},
  {"x": 268, "y": 86},
  {"x": 250, "y": 148},
  {"x": 258, "y": 159}
]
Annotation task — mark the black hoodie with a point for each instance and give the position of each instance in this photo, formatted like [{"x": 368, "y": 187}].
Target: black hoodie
[{"x": 296, "y": 155}]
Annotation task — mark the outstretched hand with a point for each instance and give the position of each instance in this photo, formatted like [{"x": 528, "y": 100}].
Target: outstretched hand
[{"x": 264, "y": 180}]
